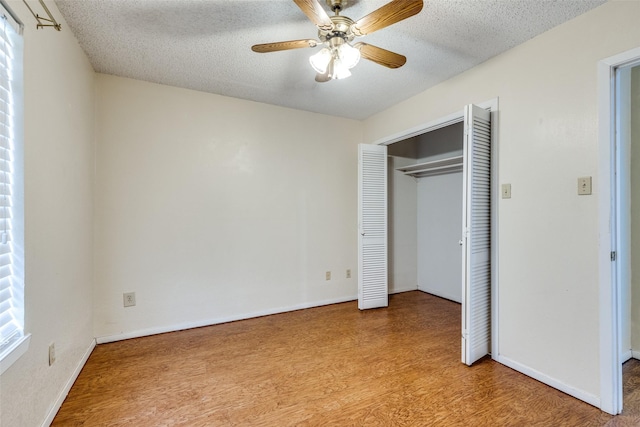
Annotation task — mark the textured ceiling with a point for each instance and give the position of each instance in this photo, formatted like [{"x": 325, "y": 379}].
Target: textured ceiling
[{"x": 205, "y": 45}]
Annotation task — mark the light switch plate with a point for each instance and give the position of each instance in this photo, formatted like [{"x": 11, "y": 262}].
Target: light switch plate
[
  {"x": 506, "y": 191},
  {"x": 584, "y": 185}
]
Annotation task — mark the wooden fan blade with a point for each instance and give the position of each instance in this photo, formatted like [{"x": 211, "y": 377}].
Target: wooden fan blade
[
  {"x": 380, "y": 56},
  {"x": 389, "y": 14},
  {"x": 315, "y": 13},
  {"x": 292, "y": 44}
]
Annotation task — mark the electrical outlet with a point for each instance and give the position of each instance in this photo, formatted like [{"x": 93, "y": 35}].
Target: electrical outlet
[
  {"x": 327, "y": 275},
  {"x": 349, "y": 274},
  {"x": 129, "y": 299},
  {"x": 52, "y": 353},
  {"x": 506, "y": 191}
]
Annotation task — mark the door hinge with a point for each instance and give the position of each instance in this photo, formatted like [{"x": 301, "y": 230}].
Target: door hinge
[{"x": 613, "y": 255}]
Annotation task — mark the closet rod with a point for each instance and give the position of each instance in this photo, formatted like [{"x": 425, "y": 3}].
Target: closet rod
[{"x": 435, "y": 171}]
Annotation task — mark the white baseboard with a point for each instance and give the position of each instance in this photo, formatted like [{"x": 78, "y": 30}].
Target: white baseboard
[
  {"x": 215, "y": 321},
  {"x": 401, "y": 289},
  {"x": 572, "y": 391},
  {"x": 441, "y": 295},
  {"x": 630, "y": 354},
  {"x": 65, "y": 391}
]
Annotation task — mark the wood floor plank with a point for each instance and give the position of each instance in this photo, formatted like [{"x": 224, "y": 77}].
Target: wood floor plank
[{"x": 326, "y": 366}]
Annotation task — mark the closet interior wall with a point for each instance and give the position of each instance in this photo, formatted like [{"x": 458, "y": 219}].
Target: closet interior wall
[
  {"x": 402, "y": 217},
  {"x": 425, "y": 216}
]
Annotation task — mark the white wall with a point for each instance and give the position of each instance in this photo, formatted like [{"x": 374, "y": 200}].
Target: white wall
[
  {"x": 213, "y": 208},
  {"x": 548, "y": 236},
  {"x": 439, "y": 232},
  {"x": 440, "y": 217},
  {"x": 402, "y": 232},
  {"x": 59, "y": 153},
  {"x": 635, "y": 209}
]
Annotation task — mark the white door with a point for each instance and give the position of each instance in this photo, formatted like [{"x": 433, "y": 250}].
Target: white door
[
  {"x": 372, "y": 226},
  {"x": 476, "y": 235}
]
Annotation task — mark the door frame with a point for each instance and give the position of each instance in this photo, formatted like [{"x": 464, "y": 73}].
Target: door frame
[
  {"x": 608, "y": 228},
  {"x": 450, "y": 119}
]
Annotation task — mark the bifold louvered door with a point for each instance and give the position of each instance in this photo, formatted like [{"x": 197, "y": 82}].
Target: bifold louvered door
[
  {"x": 476, "y": 235},
  {"x": 372, "y": 227}
]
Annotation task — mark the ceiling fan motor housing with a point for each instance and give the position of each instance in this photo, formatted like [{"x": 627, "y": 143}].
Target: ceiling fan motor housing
[{"x": 341, "y": 28}]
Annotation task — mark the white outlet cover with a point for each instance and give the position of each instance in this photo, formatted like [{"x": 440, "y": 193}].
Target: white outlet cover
[
  {"x": 129, "y": 299},
  {"x": 506, "y": 191}
]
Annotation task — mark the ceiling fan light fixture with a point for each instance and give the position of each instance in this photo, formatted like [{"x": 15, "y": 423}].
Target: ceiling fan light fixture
[
  {"x": 340, "y": 69},
  {"x": 335, "y": 61},
  {"x": 335, "y": 70},
  {"x": 349, "y": 55},
  {"x": 320, "y": 61}
]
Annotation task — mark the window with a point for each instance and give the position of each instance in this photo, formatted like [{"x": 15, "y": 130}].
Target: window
[{"x": 13, "y": 341}]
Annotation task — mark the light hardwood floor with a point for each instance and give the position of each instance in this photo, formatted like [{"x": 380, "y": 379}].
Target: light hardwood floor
[{"x": 326, "y": 366}]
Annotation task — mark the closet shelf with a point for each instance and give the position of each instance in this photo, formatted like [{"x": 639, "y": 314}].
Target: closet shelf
[{"x": 435, "y": 167}]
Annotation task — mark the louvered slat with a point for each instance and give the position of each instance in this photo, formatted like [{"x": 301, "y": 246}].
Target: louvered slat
[
  {"x": 477, "y": 294},
  {"x": 372, "y": 219}
]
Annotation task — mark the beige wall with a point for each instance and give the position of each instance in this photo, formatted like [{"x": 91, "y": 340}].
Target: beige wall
[
  {"x": 59, "y": 153},
  {"x": 635, "y": 210},
  {"x": 213, "y": 208},
  {"x": 548, "y": 235}
]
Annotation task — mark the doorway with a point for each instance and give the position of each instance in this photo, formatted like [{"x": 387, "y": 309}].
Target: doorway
[
  {"x": 616, "y": 255},
  {"x": 425, "y": 213},
  {"x": 628, "y": 221}
]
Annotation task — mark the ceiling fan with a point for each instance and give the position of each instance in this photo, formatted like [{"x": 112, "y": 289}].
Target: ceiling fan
[{"x": 337, "y": 32}]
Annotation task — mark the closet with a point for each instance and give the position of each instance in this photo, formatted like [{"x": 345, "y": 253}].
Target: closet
[
  {"x": 425, "y": 212},
  {"x": 425, "y": 219}
]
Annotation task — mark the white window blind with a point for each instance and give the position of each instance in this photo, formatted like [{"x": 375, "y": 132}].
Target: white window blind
[{"x": 11, "y": 259}]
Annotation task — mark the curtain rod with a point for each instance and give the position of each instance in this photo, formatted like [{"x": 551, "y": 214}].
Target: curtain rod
[{"x": 48, "y": 22}]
